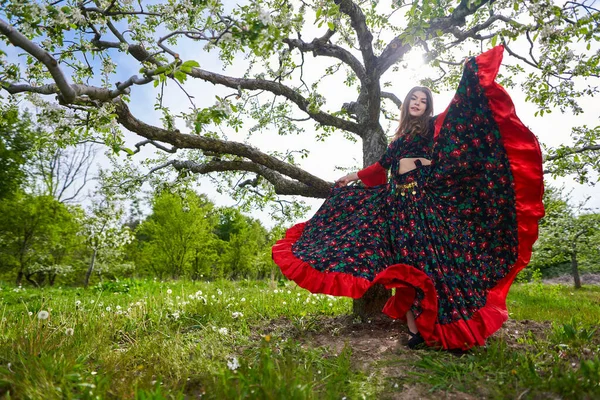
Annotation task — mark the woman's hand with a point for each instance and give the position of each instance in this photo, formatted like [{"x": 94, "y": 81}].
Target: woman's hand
[{"x": 346, "y": 179}]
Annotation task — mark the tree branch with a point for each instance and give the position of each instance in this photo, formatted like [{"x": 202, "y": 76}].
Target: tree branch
[
  {"x": 281, "y": 184},
  {"x": 322, "y": 48},
  {"x": 392, "y": 97},
  {"x": 569, "y": 152},
  {"x": 314, "y": 187},
  {"x": 20, "y": 40},
  {"x": 397, "y": 48},
  {"x": 363, "y": 34},
  {"x": 280, "y": 90}
]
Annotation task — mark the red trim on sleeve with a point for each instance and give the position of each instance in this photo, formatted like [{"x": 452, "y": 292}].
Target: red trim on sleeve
[{"x": 373, "y": 175}]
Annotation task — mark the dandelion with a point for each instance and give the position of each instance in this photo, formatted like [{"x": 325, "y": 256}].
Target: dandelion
[
  {"x": 284, "y": 303},
  {"x": 69, "y": 331},
  {"x": 78, "y": 303},
  {"x": 118, "y": 307},
  {"x": 223, "y": 331},
  {"x": 267, "y": 338},
  {"x": 108, "y": 309},
  {"x": 219, "y": 292},
  {"x": 30, "y": 313},
  {"x": 243, "y": 299},
  {"x": 233, "y": 363},
  {"x": 43, "y": 315},
  {"x": 237, "y": 314},
  {"x": 92, "y": 301},
  {"x": 169, "y": 291}
]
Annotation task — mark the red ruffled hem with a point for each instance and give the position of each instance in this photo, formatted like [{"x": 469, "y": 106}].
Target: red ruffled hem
[{"x": 525, "y": 159}]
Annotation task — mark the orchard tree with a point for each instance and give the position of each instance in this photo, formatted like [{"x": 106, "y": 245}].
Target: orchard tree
[
  {"x": 104, "y": 234},
  {"x": 568, "y": 233},
  {"x": 76, "y": 54}
]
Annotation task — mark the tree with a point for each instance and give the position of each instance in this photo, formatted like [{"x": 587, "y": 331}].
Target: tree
[
  {"x": 61, "y": 172},
  {"x": 567, "y": 233},
  {"x": 32, "y": 230},
  {"x": 361, "y": 44},
  {"x": 179, "y": 234},
  {"x": 245, "y": 244},
  {"x": 15, "y": 139},
  {"x": 104, "y": 234}
]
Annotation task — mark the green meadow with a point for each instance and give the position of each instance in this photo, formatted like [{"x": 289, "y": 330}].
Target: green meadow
[{"x": 138, "y": 339}]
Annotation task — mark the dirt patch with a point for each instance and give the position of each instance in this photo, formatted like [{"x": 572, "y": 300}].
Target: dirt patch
[
  {"x": 513, "y": 332},
  {"x": 380, "y": 347},
  {"x": 586, "y": 279}
]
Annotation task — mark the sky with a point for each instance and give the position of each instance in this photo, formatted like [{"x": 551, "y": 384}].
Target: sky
[{"x": 552, "y": 129}]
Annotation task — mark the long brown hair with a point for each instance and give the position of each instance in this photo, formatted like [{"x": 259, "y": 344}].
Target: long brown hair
[{"x": 410, "y": 125}]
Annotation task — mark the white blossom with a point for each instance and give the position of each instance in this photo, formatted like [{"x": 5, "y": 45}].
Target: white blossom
[
  {"x": 264, "y": 17},
  {"x": 223, "y": 331}
]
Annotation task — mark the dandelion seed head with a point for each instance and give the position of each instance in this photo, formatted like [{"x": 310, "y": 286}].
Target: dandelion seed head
[
  {"x": 69, "y": 331},
  {"x": 43, "y": 315},
  {"x": 169, "y": 291}
]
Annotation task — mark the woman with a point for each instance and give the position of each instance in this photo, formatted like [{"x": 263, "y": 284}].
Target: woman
[{"x": 450, "y": 230}]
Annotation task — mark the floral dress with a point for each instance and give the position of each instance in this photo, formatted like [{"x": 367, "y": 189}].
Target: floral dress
[{"x": 450, "y": 237}]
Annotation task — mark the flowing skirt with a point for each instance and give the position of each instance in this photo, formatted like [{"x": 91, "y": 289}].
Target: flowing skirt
[{"x": 450, "y": 237}]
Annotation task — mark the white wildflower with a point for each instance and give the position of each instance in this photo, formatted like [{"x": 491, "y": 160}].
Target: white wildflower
[
  {"x": 78, "y": 303},
  {"x": 219, "y": 292},
  {"x": 43, "y": 315},
  {"x": 30, "y": 313},
  {"x": 236, "y": 314},
  {"x": 233, "y": 363},
  {"x": 223, "y": 331},
  {"x": 175, "y": 315},
  {"x": 243, "y": 299},
  {"x": 169, "y": 291}
]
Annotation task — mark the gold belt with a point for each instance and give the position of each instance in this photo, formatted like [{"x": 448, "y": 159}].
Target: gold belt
[{"x": 405, "y": 188}]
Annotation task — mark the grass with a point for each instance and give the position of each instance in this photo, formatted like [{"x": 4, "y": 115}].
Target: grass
[{"x": 174, "y": 340}]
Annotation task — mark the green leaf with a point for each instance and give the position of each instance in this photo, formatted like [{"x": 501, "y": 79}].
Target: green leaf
[
  {"x": 331, "y": 26},
  {"x": 190, "y": 64},
  {"x": 128, "y": 150},
  {"x": 319, "y": 12},
  {"x": 494, "y": 40}
]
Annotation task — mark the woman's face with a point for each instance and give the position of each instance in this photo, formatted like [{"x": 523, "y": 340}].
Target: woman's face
[{"x": 417, "y": 103}]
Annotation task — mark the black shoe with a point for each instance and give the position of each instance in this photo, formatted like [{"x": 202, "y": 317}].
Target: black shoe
[{"x": 415, "y": 340}]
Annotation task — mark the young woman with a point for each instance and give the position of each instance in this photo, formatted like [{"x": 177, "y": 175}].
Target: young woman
[{"x": 450, "y": 229}]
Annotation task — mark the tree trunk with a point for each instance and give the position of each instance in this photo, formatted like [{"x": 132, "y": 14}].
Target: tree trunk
[
  {"x": 90, "y": 269},
  {"x": 19, "y": 278},
  {"x": 370, "y": 305},
  {"x": 575, "y": 269},
  {"x": 30, "y": 280}
]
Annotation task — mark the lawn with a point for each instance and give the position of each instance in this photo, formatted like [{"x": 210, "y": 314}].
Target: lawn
[{"x": 270, "y": 340}]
